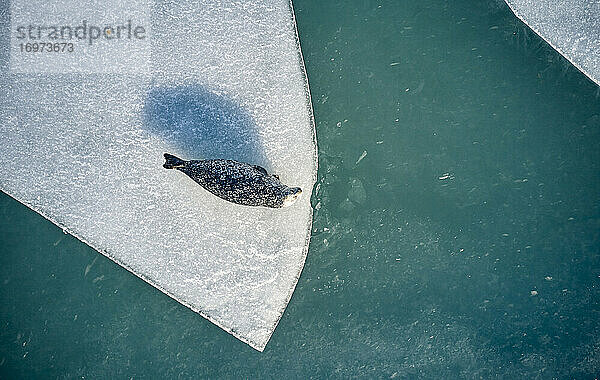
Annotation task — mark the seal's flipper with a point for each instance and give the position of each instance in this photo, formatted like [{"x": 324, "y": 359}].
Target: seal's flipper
[
  {"x": 173, "y": 162},
  {"x": 260, "y": 169}
]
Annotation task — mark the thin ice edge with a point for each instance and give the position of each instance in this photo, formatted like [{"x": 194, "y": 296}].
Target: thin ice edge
[{"x": 536, "y": 31}]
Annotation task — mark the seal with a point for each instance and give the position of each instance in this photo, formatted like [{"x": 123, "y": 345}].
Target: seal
[{"x": 236, "y": 182}]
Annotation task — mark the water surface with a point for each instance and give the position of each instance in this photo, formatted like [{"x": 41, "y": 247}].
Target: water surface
[{"x": 456, "y": 231}]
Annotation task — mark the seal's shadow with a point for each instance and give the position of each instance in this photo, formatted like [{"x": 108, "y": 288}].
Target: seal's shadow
[{"x": 203, "y": 125}]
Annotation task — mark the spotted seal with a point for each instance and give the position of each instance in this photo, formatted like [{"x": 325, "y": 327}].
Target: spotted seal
[{"x": 236, "y": 182}]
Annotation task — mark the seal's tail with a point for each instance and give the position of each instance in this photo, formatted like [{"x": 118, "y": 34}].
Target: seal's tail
[{"x": 173, "y": 162}]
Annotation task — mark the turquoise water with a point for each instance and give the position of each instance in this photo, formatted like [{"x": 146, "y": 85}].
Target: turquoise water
[{"x": 465, "y": 243}]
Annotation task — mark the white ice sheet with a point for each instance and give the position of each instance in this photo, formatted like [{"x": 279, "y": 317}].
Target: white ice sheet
[{"x": 83, "y": 147}]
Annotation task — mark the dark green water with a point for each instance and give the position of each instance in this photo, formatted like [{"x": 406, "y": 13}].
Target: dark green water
[{"x": 465, "y": 244}]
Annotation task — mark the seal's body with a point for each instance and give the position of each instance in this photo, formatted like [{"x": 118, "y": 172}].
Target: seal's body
[{"x": 237, "y": 182}]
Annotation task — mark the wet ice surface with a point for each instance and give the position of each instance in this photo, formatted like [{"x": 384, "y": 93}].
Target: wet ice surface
[
  {"x": 86, "y": 152},
  {"x": 571, "y": 27}
]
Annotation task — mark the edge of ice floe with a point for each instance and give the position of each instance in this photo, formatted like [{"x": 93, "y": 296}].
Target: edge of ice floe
[
  {"x": 566, "y": 56},
  {"x": 258, "y": 345},
  {"x": 148, "y": 280},
  {"x": 261, "y": 347}
]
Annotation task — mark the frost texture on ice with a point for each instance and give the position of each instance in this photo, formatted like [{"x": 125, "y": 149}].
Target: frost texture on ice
[
  {"x": 572, "y": 27},
  {"x": 226, "y": 80}
]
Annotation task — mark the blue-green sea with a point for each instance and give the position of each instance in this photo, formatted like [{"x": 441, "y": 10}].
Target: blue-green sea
[{"x": 456, "y": 229}]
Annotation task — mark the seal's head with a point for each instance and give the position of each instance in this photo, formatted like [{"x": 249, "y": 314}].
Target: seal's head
[{"x": 291, "y": 196}]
